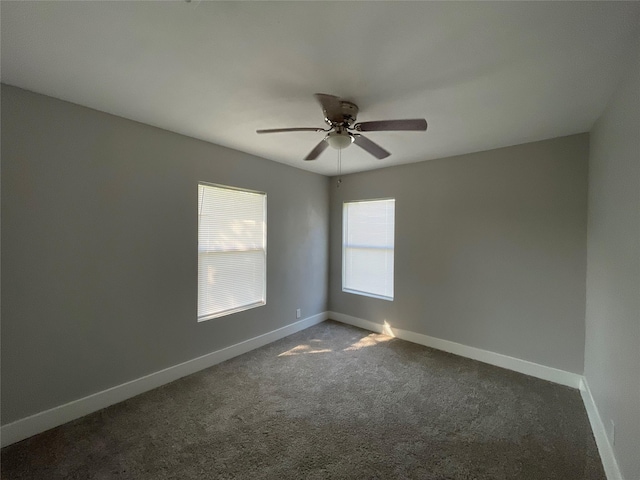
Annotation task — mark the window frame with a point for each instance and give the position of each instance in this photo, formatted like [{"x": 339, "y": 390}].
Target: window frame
[
  {"x": 244, "y": 307},
  {"x": 344, "y": 249}
]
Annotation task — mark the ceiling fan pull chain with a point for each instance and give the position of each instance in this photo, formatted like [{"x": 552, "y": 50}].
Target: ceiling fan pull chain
[{"x": 339, "y": 167}]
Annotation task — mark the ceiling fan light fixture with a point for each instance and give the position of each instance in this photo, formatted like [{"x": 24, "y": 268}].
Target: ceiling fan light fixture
[{"x": 339, "y": 140}]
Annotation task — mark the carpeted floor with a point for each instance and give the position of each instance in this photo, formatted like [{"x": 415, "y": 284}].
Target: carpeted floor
[{"x": 330, "y": 402}]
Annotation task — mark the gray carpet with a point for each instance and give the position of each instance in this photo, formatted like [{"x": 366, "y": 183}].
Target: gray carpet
[{"x": 330, "y": 402}]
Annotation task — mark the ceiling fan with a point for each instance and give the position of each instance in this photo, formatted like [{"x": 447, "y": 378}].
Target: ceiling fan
[{"x": 341, "y": 115}]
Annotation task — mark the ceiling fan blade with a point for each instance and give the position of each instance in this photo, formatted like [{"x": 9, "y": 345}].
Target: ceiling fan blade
[
  {"x": 299, "y": 129},
  {"x": 315, "y": 153},
  {"x": 412, "y": 124},
  {"x": 331, "y": 107},
  {"x": 371, "y": 147}
]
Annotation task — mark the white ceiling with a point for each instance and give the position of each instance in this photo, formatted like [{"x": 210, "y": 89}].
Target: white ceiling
[{"x": 483, "y": 74}]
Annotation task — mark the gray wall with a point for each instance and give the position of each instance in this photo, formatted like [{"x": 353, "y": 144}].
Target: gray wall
[
  {"x": 490, "y": 249},
  {"x": 612, "y": 350},
  {"x": 99, "y": 249}
]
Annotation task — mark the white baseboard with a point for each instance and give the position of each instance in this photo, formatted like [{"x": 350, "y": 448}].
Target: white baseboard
[
  {"x": 611, "y": 469},
  {"x": 523, "y": 366},
  {"x": 40, "y": 422}
]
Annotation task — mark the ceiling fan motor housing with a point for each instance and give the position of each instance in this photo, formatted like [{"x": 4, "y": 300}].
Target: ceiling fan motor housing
[{"x": 349, "y": 114}]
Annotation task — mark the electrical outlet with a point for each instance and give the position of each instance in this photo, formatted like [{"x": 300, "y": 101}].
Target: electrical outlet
[
  {"x": 298, "y": 313},
  {"x": 612, "y": 432}
]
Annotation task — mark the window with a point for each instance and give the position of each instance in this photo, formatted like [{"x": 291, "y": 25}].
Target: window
[
  {"x": 232, "y": 254},
  {"x": 367, "y": 247}
]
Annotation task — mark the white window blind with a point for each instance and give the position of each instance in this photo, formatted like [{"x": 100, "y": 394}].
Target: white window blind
[
  {"x": 367, "y": 247},
  {"x": 231, "y": 250}
]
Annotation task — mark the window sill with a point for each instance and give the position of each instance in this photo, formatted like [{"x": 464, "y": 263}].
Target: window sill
[
  {"x": 224, "y": 313},
  {"x": 367, "y": 294}
]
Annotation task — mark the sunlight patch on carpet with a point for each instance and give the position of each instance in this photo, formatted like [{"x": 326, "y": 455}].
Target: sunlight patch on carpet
[
  {"x": 303, "y": 350},
  {"x": 368, "y": 341}
]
